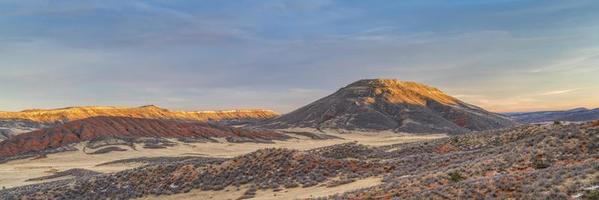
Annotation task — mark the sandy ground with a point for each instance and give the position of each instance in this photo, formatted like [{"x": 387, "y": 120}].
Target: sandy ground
[
  {"x": 14, "y": 173},
  {"x": 293, "y": 193}
]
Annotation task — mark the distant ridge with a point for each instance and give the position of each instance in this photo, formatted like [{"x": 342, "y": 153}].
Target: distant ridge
[
  {"x": 573, "y": 115},
  {"x": 150, "y": 111},
  {"x": 388, "y": 104},
  {"x": 123, "y": 127}
]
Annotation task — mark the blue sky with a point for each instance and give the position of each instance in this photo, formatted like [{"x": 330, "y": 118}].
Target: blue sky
[{"x": 502, "y": 55}]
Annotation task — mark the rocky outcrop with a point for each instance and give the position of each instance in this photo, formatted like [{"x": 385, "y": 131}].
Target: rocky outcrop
[
  {"x": 11, "y": 127},
  {"x": 122, "y": 127},
  {"x": 5, "y": 133},
  {"x": 151, "y": 112},
  {"x": 383, "y": 104}
]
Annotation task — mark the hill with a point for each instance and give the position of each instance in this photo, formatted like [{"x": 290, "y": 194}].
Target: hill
[
  {"x": 122, "y": 127},
  {"x": 385, "y": 104},
  {"x": 574, "y": 115}
]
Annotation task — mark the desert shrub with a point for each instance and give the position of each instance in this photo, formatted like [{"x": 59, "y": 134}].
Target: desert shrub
[
  {"x": 540, "y": 162},
  {"x": 455, "y": 176},
  {"x": 454, "y": 140},
  {"x": 591, "y": 195}
]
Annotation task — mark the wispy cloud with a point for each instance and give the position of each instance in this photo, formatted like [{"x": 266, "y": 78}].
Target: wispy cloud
[{"x": 559, "y": 92}]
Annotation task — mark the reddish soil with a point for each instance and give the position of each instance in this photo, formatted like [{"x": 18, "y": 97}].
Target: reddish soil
[
  {"x": 445, "y": 148},
  {"x": 99, "y": 127}
]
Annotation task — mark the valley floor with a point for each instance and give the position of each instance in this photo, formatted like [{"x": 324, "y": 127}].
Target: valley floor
[
  {"x": 17, "y": 172},
  {"x": 526, "y": 162},
  {"x": 232, "y": 193}
]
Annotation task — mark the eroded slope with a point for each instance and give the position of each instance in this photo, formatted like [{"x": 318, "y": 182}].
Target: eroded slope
[{"x": 123, "y": 127}]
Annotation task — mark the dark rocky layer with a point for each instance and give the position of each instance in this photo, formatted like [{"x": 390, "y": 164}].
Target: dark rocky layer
[
  {"x": 311, "y": 135},
  {"x": 164, "y": 160},
  {"x": 106, "y": 150},
  {"x": 75, "y": 173}
]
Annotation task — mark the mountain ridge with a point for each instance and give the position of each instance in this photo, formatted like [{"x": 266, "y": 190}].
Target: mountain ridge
[
  {"x": 574, "y": 115},
  {"x": 67, "y": 114}
]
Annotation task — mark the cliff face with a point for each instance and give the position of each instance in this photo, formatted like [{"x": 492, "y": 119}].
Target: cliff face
[
  {"x": 151, "y": 112},
  {"x": 383, "y": 104},
  {"x": 121, "y": 127}
]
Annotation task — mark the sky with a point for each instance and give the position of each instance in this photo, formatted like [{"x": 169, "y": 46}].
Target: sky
[{"x": 502, "y": 55}]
